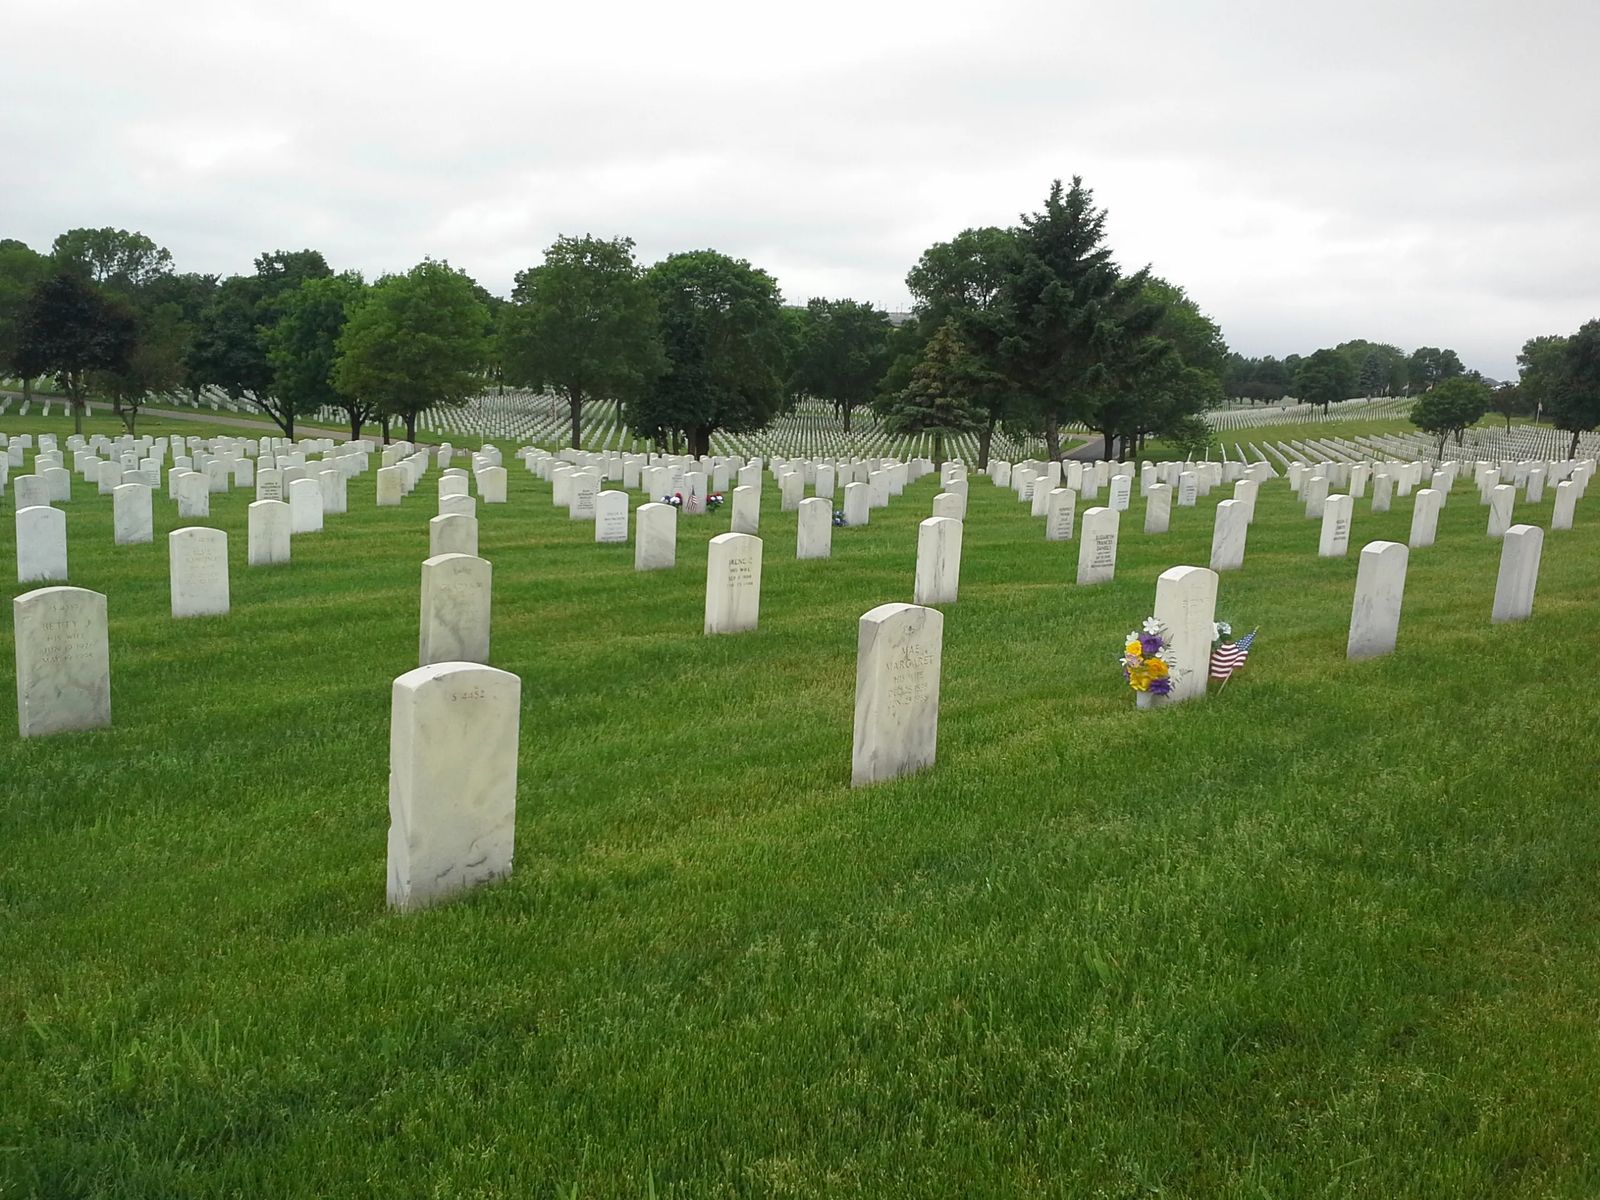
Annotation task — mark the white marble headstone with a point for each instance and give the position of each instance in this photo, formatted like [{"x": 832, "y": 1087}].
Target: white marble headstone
[
  {"x": 269, "y": 527},
  {"x": 63, "y": 661},
  {"x": 456, "y": 591},
  {"x": 655, "y": 537},
  {"x": 898, "y": 656},
  {"x": 1519, "y": 573},
  {"x": 1380, "y": 590},
  {"x": 1097, "y": 546},
  {"x": 814, "y": 529},
  {"x": 938, "y": 573},
  {"x": 733, "y": 583},
  {"x": 452, "y": 780},
  {"x": 41, "y": 533}
]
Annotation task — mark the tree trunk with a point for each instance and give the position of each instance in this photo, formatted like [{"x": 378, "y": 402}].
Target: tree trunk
[
  {"x": 575, "y": 411},
  {"x": 75, "y": 393},
  {"x": 288, "y": 424},
  {"x": 1573, "y": 452},
  {"x": 27, "y": 388},
  {"x": 129, "y": 414},
  {"x": 383, "y": 421},
  {"x": 985, "y": 440},
  {"x": 356, "y": 416},
  {"x": 846, "y": 415},
  {"x": 700, "y": 440},
  {"x": 411, "y": 427},
  {"x": 938, "y": 449},
  {"x": 1052, "y": 439},
  {"x": 1105, "y": 442}
]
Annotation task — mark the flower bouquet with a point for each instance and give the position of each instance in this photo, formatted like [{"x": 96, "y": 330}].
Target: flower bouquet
[
  {"x": 838, "y": 518},
  {"x": 713, "y": 502},
  {"x": 1148, "y": 663},
  {"x": 676, "y": 499}
]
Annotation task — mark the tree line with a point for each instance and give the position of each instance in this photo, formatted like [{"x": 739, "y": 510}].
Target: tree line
[
  {"x": 1354, "y": 368},
  {"x": 1027, "y": 328},
  {"x": 1558, "y": 381}
]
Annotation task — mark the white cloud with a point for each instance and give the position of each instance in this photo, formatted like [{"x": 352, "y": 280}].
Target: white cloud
[{"x": 1417, "y": 172}]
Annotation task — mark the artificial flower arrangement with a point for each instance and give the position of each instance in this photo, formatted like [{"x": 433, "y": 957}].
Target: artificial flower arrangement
[
  {"x": 713, "y": 502},
  {"x": 676, "y": 499},
  {"x": 838, "y": 518},
  {"x": 1148, "y": 663}
]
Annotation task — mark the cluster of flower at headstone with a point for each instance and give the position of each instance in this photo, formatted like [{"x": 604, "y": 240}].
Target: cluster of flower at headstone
[{"x": 1148, "y": 662}]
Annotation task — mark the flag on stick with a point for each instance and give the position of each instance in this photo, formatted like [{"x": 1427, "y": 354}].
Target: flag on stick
[{"x": 1229, "y": 657}]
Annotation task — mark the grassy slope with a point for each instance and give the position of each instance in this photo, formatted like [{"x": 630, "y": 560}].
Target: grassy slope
[{"x": 1334, "y": 932}]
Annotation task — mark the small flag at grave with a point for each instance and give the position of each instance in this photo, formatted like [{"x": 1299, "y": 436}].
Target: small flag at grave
[{"x": 1228, "y": 657}]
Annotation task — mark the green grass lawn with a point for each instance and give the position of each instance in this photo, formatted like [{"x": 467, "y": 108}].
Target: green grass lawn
[{"x": 1333, "y": 932}]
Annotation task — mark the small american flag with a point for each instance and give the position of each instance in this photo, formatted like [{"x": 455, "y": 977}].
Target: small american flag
[{"x": 1229, "y": 657}]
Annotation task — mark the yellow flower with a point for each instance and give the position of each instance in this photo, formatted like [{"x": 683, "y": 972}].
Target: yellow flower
[
  {"x": 1133, "y": 649},
  {"x": 1157, "y": 668},
  {"x": 1140, "y": 682}
]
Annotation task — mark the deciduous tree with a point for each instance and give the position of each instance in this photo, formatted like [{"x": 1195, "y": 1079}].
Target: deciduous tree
[
  {"x": 1326, "y": 377},
  {"x": 71, "y": 328},
  {"x": 964, "y": 280},
  {"x": 841, "y": 354},
  {"x": 724, "y": 334},
  {"x": 302, "y": 346},
  {"x": 21, "y": 270},
  {"x": 1450, "y": 408},
  {"x": 583, "y": 323},
  {"x": 416, "y": 341},
  {"x": 1574, "y": 400}
]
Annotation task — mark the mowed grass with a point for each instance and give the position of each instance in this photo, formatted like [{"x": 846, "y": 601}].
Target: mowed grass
[{"x": 1334, "y": 932}]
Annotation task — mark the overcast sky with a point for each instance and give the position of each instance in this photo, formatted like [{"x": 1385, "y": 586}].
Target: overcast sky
[{"x": 1421, "y": 173}]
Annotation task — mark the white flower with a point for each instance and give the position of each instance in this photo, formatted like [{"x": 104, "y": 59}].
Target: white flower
[
  {"x": 1223, "y": 629},
  {"x": 1132, "y": 637},
  {"x": 1151, "y": 625},
  {"x": 1168, "y": 657}
]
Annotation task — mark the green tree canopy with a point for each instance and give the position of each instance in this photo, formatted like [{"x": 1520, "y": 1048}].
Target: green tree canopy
[
  {"x": 939, "y": 400},
  {"x": 229, "y": 349},
  {"x": 1325, "y": 378},
  {"x": 21, "y": 270},
  {"x": 1573, "y": 403},
  {"x": 118, "y": 260},
  {"x": 583, "y": 323},
  {"x": 1256, "y": 378},
  {"x": 1450, "y": 408},
  {"x": 416, "y": 341},
  {"x": 302, "y": 346},
  {"x": 1065, "y": 310},
  {"x": 1429, "y": 365},
  {"x": 964, "y": 280},
  {"x": 841, "y": 354},
  {"x": 71, "y": 328},
  {"x": 725, "y": 336},
  {"x": 154, "y": 361},
  {"x": 1539, "y": 365}
]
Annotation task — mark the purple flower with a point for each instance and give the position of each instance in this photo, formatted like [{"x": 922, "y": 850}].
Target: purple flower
[
  {"x": 1152, "y": 643},
  {"x": 1160, "y": 687}
]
